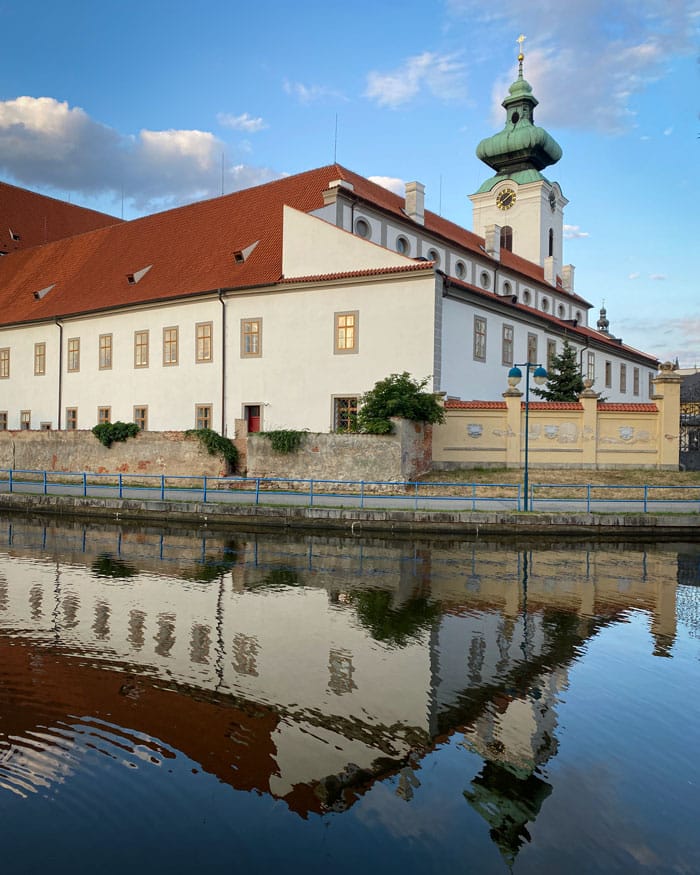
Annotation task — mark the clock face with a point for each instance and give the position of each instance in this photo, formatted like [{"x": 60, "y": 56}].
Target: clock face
[{"x": 505, "y": 199}]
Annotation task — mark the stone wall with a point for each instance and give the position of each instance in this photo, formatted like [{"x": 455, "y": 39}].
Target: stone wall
[
  {"x": 168, "y": 452},
  {"x": 397, "y": 457}
]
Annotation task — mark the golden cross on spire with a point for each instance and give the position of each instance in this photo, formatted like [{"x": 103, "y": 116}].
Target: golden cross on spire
[{"x": 520, "y": 40}]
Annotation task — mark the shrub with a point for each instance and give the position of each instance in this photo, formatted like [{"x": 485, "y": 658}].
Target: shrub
[
  {"x": 215, "y": 444},
  {"x": 398, "y": 395},
  {"x": 284, "y": 440},
  {"x": 109, "y": 432}
]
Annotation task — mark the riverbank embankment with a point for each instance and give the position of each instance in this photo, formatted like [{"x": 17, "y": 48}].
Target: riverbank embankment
[{"x": 355, "y": 520}]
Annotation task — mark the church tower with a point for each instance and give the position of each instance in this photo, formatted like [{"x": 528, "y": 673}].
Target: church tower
[{"x": 526, "y": 209}]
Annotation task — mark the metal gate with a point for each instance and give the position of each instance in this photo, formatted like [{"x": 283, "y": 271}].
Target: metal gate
[{"x": 690, "y": 430}]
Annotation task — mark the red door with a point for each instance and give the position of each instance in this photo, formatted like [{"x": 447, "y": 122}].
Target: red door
[{"x": 252, "y": 418}]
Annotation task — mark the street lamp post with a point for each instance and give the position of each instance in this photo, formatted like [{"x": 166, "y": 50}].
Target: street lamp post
[{"x": 539, "y": 375}]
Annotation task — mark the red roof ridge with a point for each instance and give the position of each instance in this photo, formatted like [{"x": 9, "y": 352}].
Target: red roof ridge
[
  {"x": 369, "y": 271},
  {"x": 627, "y": 407}
]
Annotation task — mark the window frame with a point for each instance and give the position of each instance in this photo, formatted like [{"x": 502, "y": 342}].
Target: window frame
[
  {"x": 101, "y": 418},
  {"x": 203, "y": 342},
  {"x": 608, "y": 374},
  {"x": 590, "y": 365},
  {"x": 25, "y": 420},
  {"x": 40, "y": 359},
  {"x": 337, "y": 414},
  {"x": 3, "y": 420},
  {"x": 532, "y": 347},
  {"x": 105, "y": 350},
  {"x": 171, "y": 341},
  {"x": 551, "y": 352},
  {"x": 141, "y": 343},
  {"x": 140, "y": 418},
  {"x": 507, "y": 344},
  {"x": 623, "y": 378},
  {"x": 71, "y": 418},
  {"x": 635, "y": 382},
  {"x": 5, "y": 363},
  {"x": 203, "y": 416},
  {"x": 479, "y": 339},
  {"x": 73, "y": 355},
  {"x": 340, "y": 344},
  {"x": 251, "y": 337}
]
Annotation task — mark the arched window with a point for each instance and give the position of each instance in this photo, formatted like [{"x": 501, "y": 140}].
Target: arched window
[
  {"x": 551, "y": 242},
  {"x": 507, "y": 238}
]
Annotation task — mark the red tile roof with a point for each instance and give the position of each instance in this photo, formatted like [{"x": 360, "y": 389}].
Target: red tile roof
[
  {"x": 372, "y": 271},
  {"x": 453, "y": 404},
  {"x": 611, "y": 407},
  {"x": 554, "y": 405},
  {"x": 30, "y": 219}
]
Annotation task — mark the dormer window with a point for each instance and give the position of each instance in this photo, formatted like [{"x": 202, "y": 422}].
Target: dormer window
[{"x": 14, "y": 235}]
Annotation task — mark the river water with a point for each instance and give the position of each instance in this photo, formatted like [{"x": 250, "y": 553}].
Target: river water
[{"x": 246, "y": 702}]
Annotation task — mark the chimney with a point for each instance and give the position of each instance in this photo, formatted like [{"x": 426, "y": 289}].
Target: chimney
[
  {"x": 492, "y": 241},
  {"x": 567, "y": 277},
  {"x": 415, "y": 202}
]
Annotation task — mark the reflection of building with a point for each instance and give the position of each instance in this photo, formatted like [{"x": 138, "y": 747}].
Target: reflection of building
[{"x": 322, "y": 664}]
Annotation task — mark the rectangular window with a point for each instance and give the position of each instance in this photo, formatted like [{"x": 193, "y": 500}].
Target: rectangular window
[
  {"x": 141, "y": 417},
  {"x": 202, "y": 416},
  {"x": 345, "y": 413},
  {"x": 45, "y": 426},
  {"x": 532, "y": 349},
  {"x": 71, "y": 418},
  {"x": 623, "y": 378},
  {"x": 590, "y": 366},
  {"x": 170, "y": 346},
  {"x": 651, "y": 385},
  {"x": 141, "y": 349},
  {"x": 251, "y": 338},
  {"x": 635, "y": 381},
  {"x": 3, "y": 420},
  {"x": 507, "y": 345},
  {"x": 4, "y": 363},
  {"x": 608, "y": 375},
  {"x": 39, "y": 359},
  {"x": 551, "y": 352},
  {"x": 73, "y": 359},
  {"x": 346, "y": 332},
  {"x": 479, "y": 339},
  {"x": 105, "y": 352},
  {"x": 25, "y": 420},
  {"x": 203, "y": 344},
  {"x": 104, "y": 414}
]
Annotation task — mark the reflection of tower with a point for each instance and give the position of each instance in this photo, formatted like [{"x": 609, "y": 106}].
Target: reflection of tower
[{"x": 507, "y": 803}]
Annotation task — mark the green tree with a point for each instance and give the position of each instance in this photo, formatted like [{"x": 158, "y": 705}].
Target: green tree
[
  {"x": 564, "y": 380},
  {"x": 398, "y": 395}
]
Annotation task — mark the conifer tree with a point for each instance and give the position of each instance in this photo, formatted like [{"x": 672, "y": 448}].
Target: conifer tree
[{"x": 564, "y": 379}]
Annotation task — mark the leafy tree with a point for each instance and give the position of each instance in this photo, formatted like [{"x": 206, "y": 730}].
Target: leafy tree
[
  {"x": 397, "y": 395},
  {"x": 564, "y": 380}
]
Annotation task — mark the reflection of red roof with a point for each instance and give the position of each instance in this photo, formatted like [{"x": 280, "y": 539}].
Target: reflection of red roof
[
  {"x": 229, "y": 737},
  {"x": 30, "y": 219}
]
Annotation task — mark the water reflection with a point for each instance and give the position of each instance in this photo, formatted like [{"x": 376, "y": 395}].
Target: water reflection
[{"x": 313, "y": 670}]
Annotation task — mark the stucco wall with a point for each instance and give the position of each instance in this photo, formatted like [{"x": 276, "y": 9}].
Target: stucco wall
[
  {"x": 166, "y": 452},
  {"x": 582, "y": 434},
  {"x": 401, "y": 456}
]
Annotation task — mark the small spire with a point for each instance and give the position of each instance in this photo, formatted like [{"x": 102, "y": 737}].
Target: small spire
[{"x": 521, "y": 57}]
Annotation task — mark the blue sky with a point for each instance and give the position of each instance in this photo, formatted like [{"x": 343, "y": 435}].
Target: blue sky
[{"x": 137, "y": 106}]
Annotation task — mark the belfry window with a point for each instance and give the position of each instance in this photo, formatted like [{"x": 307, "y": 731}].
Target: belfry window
[
  {"x": 507, "y": 238},
  {"x": 551, "y": 242}
]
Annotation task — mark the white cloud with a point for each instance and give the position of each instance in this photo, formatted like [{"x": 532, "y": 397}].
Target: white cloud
[
  {"x": 393, "y": 183},
  {"x": 310, "y": 93},
  {"x": 668, "y": 132},
  {"x": 587, "y": 59},
  {"x": 443, "y": 76},
  {"x": 47, "y": 143},
  {"x": 243, "y": 122},
  {"x": 657, "y": 276},
  {"x": 634, "y": 276},
  {"x": 573, "y": 232}
]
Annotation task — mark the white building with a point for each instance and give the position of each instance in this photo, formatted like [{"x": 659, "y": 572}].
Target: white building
[{"x": 281, "y": 304}]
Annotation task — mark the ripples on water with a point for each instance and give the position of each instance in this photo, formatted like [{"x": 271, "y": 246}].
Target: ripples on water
[{"x": 248, "y": 702}]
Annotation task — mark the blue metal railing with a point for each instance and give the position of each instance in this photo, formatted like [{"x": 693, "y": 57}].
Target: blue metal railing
[{"x": 363, "y": 494}]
